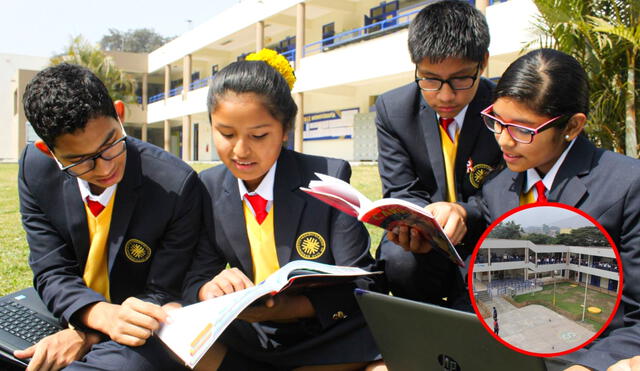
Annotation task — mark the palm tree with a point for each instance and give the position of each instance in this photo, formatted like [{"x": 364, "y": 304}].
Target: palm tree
[
  {"x": 603, "y": 35},
  {"x": 120, "y": 85},
  {"x": 624, "y": 26}
]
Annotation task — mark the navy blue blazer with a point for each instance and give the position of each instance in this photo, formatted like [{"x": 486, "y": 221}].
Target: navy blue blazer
[
  {"x": 154, "y": 229},
  {"x": 296, "y": 214},
  {"x": 410, "y": 156},
  {"x": 605, "y": 185}
]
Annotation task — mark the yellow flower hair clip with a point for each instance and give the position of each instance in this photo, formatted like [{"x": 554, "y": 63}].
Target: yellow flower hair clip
[{"x": 277, "y": 61}]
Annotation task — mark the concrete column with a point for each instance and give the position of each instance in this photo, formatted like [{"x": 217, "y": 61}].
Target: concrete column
[
  {"x": 167, "y": 136},
  {"x": 259, "y": 36},
  {"x": 299, "y": 123},
  {"x": 145, "y": 98},
  {"x": 186, "y": 138},
  {"x": 167, "y": 81},
  {"x": 482, "y": 5},
  {"x": 186, "y": 75},
  {"x": 299, "y": 97}
]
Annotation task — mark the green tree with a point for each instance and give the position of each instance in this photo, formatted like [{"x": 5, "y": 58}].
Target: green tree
[
  {"x": 603, "y": 35},
  {"x": 120, "y": 85},
  {"x": 539, "y": 238},
  {"x": 509, "y": 230},
  {"x": 142, "y": 40},
  {"x": 589, "y": 236}
]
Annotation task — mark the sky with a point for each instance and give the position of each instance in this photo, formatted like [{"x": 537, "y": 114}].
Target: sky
[
  {"x": 44, "y": 27},
  {"x": 548, "y": 215}
]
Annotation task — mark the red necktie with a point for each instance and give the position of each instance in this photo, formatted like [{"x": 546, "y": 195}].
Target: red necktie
[
  {"x": 95, "y": 206},
  {"x": 540, "y": 188},
  {"x": 259, "y": 205},
  {"x": 445, "y": 125}
]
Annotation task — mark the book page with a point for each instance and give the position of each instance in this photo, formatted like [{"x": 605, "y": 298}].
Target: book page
[
  {"x": 193, "y": 329},
  {"x": 340, "y": 188}
]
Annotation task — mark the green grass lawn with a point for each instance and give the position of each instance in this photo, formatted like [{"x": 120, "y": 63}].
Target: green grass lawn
[
  {"x": 570, "y": 299},
  {"x": 14, "y": 269}
]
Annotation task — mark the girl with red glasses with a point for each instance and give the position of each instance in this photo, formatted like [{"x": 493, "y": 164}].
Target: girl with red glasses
[{"x": 538, "y": 117}]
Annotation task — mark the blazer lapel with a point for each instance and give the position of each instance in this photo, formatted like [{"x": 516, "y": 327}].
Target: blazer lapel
[
  {"x": 126, "y": 198},
  {"x": 77, "y": 217},
  {"x": 229, "y": 206},
  {"x": 288, "y": 205},
  {"x": 467, "y": 140},
  {"x": 568, "y": 187},
  {"x": 427, "y": 119},
  {"x": 509, "y": 193}
]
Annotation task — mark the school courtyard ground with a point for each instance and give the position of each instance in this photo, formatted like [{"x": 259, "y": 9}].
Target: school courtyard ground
[{"x": 531, "y": 322}]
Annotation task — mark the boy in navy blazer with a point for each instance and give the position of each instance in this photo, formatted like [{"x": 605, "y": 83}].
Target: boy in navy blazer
[
  {"x": 111, "y": 224},
  {"x": 433, "y": 146}
]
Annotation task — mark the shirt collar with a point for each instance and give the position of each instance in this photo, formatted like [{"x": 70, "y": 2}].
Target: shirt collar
[
  {"x": 533, "y": 177},
  {"x": 456, "y": 125},
  {"x": 103, "y": 198},
  {"x": 264, "y": 189}
]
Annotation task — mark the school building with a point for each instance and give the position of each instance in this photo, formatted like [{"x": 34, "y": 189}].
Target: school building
[
  {"x": 520, "y": 261},
  {"x": 345, "y": 54}
]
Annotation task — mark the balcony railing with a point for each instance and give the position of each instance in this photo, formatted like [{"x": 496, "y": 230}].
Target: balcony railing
[
  {"x": 155, "y": 98},
  {"x": 361, "y": 33}
]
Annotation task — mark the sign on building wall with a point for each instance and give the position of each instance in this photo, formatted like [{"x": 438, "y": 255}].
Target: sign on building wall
[{"x": 336, "y": 124}]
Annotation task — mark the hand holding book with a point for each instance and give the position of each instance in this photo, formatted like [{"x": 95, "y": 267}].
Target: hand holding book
[
  {"x": 399, "y": 217},
  {"x": 193, "y": 329}
]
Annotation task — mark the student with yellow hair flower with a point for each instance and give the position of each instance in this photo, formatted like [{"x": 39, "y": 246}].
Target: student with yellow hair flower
[{"x": 257, "y": 220}]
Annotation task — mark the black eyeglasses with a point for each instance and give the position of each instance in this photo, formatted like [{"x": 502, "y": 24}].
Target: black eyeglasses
[
  {"x": 456, "y": 83},
  {"x": 114, "y": 150}
]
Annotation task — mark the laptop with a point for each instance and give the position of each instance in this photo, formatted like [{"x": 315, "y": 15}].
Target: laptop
[
  {"x": 24, "y": 320},
  {"x": 418, "y": 336}
]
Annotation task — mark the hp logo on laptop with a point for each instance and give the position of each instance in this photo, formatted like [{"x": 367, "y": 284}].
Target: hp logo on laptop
[{"x": 448, "y": 363}]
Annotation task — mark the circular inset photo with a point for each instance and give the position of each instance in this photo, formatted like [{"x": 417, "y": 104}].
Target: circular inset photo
[{"x": 545, "y": 280}]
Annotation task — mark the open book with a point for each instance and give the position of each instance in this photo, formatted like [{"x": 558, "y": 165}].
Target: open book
[
  {"x": 193, "y": 329},
  {"x": 386, "y": 213}
]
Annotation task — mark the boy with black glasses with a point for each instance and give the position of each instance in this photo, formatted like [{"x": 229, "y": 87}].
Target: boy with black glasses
[
  {"x": 111, "y": 223},
  {"x": 433, "y": 145}
]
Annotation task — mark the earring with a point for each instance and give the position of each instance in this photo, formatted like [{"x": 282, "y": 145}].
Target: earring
[{"x": 567, "y": 137}]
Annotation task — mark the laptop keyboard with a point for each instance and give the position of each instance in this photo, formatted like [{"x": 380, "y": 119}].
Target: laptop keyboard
[{"x": 23, "y": 322}]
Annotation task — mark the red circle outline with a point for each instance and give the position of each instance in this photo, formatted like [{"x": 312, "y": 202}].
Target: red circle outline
[{"x": 529, "y": 206}]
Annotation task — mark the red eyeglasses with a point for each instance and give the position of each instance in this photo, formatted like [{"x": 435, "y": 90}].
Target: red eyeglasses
[{"x": 519, "y": 133}]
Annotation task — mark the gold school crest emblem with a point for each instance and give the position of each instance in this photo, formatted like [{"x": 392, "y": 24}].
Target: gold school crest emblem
[
  {"x": 310, "y": 245},
  {"x": 477, "y": 173},
  {"x": 137, "y": 251}
]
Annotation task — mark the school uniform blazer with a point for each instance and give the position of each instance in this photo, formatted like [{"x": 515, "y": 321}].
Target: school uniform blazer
[
  {"x": 296, "y": 216},
  {"x": 410, "y": 158},
  {"x": 154, "y": 228},
  {"x": 605, "y": 185}
]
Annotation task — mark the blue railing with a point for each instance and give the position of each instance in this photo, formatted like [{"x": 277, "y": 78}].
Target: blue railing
[
  {"x": 175, "y": 91},
  {"x": 155, "y": 98},
  {"x": 200, "y": 83},
  {"x": 361, "y": 33},
  {"x": 290, "y": 55}
]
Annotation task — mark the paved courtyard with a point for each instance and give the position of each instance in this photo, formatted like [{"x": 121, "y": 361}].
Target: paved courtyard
[{"x": 535, "y": 328}]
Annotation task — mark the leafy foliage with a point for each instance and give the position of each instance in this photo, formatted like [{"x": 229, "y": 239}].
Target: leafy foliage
[
  {"x": 509, "y": 230},
  {"x": 142, "y": 40},
  {"x": 604, "y": 36},
  {"x": 119, "y": 84}
]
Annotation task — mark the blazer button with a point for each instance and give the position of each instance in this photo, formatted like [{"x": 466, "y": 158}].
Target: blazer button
[{"x": 339, "y": 315}]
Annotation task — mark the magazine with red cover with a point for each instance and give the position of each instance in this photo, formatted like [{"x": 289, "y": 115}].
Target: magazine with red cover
[{"x": 386, "y": 213}]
